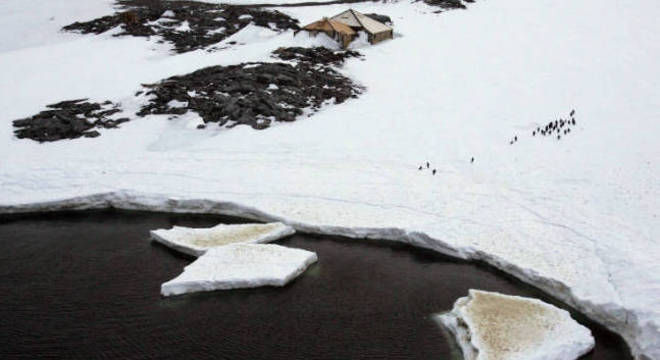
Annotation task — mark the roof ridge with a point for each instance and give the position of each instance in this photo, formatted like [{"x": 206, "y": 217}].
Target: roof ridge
[
  {"x": 358, "y": 19},
  {"x": 331, "y": 26}
]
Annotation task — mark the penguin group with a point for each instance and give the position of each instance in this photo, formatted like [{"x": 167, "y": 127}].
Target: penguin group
[
  {"x": 557, "y": 128},
  {"x": 433, "y": 171},
  {"x": 428, "y": 166},
  {"x": 514, "y": 140}
]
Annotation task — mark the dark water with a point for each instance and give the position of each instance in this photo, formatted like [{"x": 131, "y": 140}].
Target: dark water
[{"x": 86, "y": 285}]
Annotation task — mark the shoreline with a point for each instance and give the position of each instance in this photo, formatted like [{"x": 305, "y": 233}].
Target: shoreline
[{"x": 611, "y": 316}]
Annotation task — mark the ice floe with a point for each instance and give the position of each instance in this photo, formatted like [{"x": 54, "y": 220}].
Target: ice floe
[
  {"x": 492, "y": 326},
  {"x": 240, "y": 266},
  {"x": 196, "y": 242}
]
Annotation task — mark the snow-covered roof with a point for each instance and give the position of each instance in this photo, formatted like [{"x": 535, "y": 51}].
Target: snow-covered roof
[
  {"x": 326, "y": 24},
  {"x": 354, "y": 18}
]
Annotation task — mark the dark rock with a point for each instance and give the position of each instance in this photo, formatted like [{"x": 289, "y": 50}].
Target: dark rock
[
  {"x": 315, "y": 55},
  {"x": 254, "y": 94},
  {"x": 139, "y": 18},
  {"x": 448, "y": 4},
  {"x": 91, "y": 134},
  {"x": 68, "y": 119}
]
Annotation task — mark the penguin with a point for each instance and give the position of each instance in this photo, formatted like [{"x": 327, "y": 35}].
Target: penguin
[
  {"x": 515, "y": 138},
  {"x": 533, "y": 133},
  {"x": 558, "y": 137},
  {"x": 434, "y": 172},
  {"x": 420, "y": 168},
  {"x": 472, "y": 160},
  {"x": 427, "y": 165},
  {"x": 572, "y": 112}
]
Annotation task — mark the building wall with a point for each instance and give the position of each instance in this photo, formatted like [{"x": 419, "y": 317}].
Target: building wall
[{"x": 376, "y": 38}]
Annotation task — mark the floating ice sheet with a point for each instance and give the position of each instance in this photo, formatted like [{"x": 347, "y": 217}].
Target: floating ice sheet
[
  {"x": 493, "y": 326},
  {"x": 240, "y": 266},
  {"x": 196, "y": 242}
]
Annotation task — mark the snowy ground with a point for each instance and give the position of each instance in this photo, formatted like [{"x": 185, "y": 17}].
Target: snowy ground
[{"x": 576, "y": 217}]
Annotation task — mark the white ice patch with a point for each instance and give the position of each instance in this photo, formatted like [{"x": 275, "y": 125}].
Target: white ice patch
[
  {"x": 220, "y": 30},
  {"x": 245, "y": 17},
  {"x": 240, "y": 266},
  {"x": 273, "y": 87},
  {"x": 185, "y": 26},
  {"x": 177, "y": 104},
  {"x": 168, "y": 14},
  {"x": 196, "y": 242},
  {"x": 493, "y": 326}
]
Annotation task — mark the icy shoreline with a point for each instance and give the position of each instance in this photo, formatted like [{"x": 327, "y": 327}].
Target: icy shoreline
[{"x": 625, "y": 322}]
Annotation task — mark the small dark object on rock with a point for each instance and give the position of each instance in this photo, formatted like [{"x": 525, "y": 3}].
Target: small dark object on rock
[
  {"x": 201, "y": 126},
  {"x": 129, "y": 18}
]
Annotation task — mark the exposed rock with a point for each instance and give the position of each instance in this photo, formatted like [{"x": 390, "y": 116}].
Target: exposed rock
[
  {"x": 188, "y": 25},
  {"x": 493, "y": 326},
  {"x": 196, "y": 242},
  {"x": 316, "y": 55},
  {"x": 68, "y": 120},
  {"x": 448, "y": 4},
  {"x": 254, "y": 94}
]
